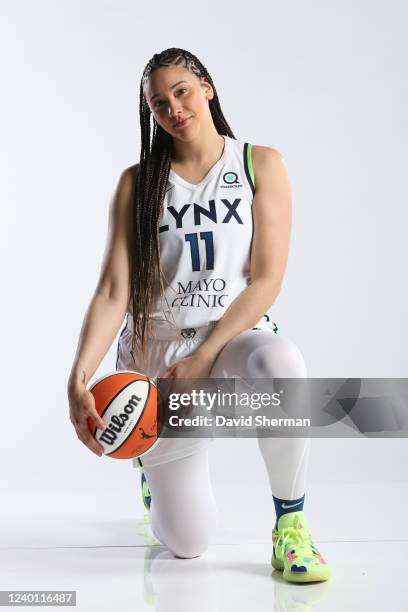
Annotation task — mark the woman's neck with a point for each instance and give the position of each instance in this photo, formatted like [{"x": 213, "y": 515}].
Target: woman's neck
[{"x": 204, "y": 150}]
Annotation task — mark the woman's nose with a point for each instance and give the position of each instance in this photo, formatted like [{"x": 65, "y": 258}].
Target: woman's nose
[{"x": 174, "y": 109}]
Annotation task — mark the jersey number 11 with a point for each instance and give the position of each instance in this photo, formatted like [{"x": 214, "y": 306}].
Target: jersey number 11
[{"x": 195, "y": 253}]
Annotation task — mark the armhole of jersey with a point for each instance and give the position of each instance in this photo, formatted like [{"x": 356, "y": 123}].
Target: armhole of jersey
[{"x": 249, "y": 168}]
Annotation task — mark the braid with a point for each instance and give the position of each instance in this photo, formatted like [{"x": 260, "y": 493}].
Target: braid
[{"x": 149, "y": 194}]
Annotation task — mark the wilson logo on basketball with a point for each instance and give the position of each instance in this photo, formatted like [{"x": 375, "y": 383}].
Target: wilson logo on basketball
[{"x": 118, "y": 421}]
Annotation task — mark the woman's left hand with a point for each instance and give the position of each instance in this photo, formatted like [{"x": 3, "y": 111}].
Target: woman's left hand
[{"x": 196, "y": 365}]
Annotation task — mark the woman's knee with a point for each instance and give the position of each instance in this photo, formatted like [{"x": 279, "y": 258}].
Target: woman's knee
[
  {"x": 189, "y": 541},
  {"x": 186, "y": 528},
  {"x": 188, "y": 550},
  {"x": 260, "y": 354},
  {"x": 276, "y": 357}
]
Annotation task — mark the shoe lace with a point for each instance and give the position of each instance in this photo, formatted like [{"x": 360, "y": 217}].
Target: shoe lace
[{"x": 299, "y": 536}]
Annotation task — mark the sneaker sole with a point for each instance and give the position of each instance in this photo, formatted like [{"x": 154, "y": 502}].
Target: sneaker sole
[{"x": 324, "y": 573}]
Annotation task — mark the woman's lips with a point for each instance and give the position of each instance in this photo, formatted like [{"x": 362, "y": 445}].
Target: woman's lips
[{"x": 182, "y": 123}]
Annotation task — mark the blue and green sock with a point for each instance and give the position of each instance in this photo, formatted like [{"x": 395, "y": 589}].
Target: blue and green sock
[{"x": 282, "y": 506}]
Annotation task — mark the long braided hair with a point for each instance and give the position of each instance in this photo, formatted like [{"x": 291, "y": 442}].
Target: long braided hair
[{"x": 150, "y": 188}]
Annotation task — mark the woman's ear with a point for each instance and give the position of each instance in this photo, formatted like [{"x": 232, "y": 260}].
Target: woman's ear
[{"x": 208, "y": 90}]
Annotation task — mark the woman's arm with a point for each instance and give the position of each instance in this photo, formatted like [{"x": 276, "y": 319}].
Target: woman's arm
[
  {"x": 108, "y": 306},
  {"x": 272, "y": 215}
]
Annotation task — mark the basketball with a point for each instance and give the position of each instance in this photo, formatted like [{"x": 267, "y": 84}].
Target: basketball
[{"x": 127, "y": 401}]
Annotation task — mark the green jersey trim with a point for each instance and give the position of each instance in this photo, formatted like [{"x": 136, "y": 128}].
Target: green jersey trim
[{"x": 248, "y": 165}]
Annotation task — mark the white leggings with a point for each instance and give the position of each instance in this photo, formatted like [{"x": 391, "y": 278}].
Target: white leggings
[{"x": 183, "y": 512}]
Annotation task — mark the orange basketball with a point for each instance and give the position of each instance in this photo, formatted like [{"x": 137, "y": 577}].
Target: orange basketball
[{"x": 127, "y": 402}]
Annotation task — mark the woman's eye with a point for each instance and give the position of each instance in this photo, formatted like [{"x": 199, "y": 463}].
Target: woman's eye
[{"x": 159, "y": 102}]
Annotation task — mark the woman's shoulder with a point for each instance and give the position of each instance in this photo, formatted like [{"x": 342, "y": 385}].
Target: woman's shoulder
[
  {"x": 268, "y": 164},
  {"x": 125, "y": 186},
  {"x": 127, "y": 179},
  {"x": 131, "y": 172},
  {"x": 263, "y": 152}
]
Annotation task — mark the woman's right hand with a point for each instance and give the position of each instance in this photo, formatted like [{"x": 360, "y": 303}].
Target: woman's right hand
[{"x": 82, "y": 407}]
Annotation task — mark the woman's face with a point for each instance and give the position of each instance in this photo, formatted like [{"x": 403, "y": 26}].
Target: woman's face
[{"x": 175, "y": 93}]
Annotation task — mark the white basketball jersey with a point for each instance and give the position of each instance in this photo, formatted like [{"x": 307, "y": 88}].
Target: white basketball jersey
[{"x": 205, "y": 240}]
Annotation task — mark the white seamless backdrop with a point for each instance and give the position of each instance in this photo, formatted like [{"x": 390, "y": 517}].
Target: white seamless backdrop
[{"x": 324, "y": 83}]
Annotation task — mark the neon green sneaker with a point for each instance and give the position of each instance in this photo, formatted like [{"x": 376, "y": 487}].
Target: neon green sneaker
[
  {"x": 294, "y": 552},
  {"x": 146, "y": 497}
]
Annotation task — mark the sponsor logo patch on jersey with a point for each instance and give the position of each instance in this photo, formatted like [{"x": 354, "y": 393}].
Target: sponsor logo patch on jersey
[{"x": 231, "y": 180}]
